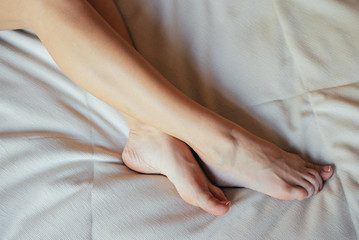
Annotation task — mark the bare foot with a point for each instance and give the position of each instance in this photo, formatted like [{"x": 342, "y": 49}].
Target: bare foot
[
  {"x": 245, "y": 160},
  {"x": 148, "y": 150}
]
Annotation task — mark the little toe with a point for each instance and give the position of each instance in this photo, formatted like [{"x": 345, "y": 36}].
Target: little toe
[
  {"x": 298, "y": 193},
  {"x": 292, "y": 192}
]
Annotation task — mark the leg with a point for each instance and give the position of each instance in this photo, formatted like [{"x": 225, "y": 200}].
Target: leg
[
  {"x": 233, "y": 156},
  {"x": 273, "y": 153},
  {"x": 14, "y": 14},
  {"x": 149, "y": 150},
  {"x": 217, "y": 175}
]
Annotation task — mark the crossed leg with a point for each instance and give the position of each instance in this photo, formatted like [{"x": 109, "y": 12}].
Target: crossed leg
[
  {"x": 151, "y": 151},
  {"x": 98, "y": 59}
]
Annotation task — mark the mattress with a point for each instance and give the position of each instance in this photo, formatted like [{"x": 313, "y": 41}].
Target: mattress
[{"x": 286, "y": 70}]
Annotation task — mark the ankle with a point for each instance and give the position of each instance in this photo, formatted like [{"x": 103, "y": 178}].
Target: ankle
[
  {"x": 219, "y": 139},
  {"x": 137, "y": 127}
]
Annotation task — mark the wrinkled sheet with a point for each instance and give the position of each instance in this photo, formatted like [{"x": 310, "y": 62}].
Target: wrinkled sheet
[{"x": 286, "y": 70}]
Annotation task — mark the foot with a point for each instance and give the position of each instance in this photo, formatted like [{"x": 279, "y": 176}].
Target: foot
[
  {"x": 151, "y": 151},
  {"x": 244, "y": 160}
]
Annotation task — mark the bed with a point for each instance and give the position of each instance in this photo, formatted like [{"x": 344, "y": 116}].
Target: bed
[{"x": 286, "y": 70}]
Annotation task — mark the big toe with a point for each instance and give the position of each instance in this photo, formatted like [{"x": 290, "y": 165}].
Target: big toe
[
  {"x": 212, "y": 204},
  {"x": 326, "y": 172}
]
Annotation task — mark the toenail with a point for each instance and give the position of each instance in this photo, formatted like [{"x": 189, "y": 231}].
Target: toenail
[
  {"x": 326, "y": 168},
  {"x": 226, "y": 203}
]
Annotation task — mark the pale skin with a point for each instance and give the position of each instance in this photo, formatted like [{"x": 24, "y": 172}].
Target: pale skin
[{"x": 89, "y": 42}]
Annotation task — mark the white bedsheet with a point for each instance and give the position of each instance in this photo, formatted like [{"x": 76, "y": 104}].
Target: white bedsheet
[{"x": 287, "y": 70}]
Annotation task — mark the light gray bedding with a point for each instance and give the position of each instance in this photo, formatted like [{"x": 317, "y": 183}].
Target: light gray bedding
[{"x": 286, "y": 70}]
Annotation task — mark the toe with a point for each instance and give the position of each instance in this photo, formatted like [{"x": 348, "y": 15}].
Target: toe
[
  {"x": 318, "y": 178},
  {"x": 302, "y": 183},
  {"x": 308, "y": 186},
  {"x": 314, "y": 178},
  {"x": 291, "y": 192},
  {"x": 326, "y": 172},
  {"x": 299, "y": 193},
  {"x": 208, "y": 202},
  {"x": 218, "y": 193}
]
